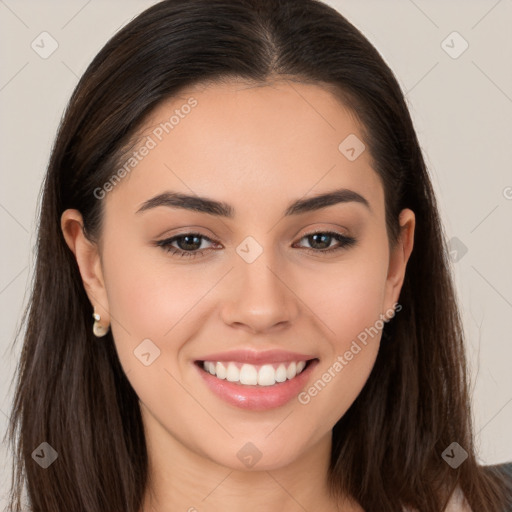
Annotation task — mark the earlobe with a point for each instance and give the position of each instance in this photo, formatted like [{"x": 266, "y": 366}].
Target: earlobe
[{"x": 88, "y": 260}]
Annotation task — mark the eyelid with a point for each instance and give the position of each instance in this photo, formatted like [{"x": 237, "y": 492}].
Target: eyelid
[{"x": 344, "y": 242}]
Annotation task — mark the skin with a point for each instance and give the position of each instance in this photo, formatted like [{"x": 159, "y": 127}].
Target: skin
[{"x": 258, "y": 149}]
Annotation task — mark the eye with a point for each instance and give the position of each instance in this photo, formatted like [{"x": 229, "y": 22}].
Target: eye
[
  {"x": 324, "y": 240},
  {"x": 186, "y": 242},
  {"x": 190, "y": 245}
]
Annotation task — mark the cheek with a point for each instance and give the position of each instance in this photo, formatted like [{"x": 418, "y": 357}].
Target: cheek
[
  {"x": 354, "y": 336},
  {"x": 147, "y": 292},
  {"x": 143, "y": 300},
  {"x": 349, "y": 301},
  {"x": 153, "y": 298},
  {"x": 338, "y": 384},
  {"x": 348, "y": 297}
]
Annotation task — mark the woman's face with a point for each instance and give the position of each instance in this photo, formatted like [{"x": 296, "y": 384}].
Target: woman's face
[{"x": 253, "y": 284}]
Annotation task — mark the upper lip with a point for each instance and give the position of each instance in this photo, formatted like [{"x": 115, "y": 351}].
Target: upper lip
[{"x": 257, "y": 356}]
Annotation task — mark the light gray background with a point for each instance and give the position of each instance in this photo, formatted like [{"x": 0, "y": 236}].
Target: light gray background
[{"x": 462, "y": 109}]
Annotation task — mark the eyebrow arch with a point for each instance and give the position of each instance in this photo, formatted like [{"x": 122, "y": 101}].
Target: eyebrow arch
[{"x": 222, "y": 209}]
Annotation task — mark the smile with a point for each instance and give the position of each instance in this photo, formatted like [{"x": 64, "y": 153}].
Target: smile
[
  {"x": 256, "y": 387},
  {"x": 254, "y": 375}
]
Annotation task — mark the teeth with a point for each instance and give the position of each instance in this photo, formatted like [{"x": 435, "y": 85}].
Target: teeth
[
  {"x": 291, "y": 371},
  {"x": 233, "y": 373},
  {"x": 220, "y": 370},
  {"x": 281, "y": 373},
  {"x": 251, "y": 375},
  {"x": 248, "y": 375},
  {"x": 267, "y": 375}
]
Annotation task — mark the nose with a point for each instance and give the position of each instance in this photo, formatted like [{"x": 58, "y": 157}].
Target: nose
[{"x": 259, "y": 297}]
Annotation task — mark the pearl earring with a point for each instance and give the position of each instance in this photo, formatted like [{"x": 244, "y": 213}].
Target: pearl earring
[{"x": 97, "y": 329}]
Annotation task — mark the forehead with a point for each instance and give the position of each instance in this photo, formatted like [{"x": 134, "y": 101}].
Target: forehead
[
  {"x": 283, "y": 112},
  {"x": 240, "y": 141}
]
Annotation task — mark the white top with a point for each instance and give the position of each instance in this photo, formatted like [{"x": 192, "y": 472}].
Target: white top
[{"x": 458, "y": 502}]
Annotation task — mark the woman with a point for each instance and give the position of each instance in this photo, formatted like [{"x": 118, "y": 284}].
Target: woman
[{"x": 242, "y": 297}]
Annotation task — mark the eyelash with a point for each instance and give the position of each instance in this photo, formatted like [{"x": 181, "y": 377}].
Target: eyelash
[{"x": 345, "y": 242}]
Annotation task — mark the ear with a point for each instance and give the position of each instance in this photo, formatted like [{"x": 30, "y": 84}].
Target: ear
[
  {"x": 89, "y": 262},
  {"x": 399, "y": 257}
]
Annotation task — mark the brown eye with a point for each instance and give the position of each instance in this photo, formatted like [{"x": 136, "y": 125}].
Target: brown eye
[
  {"x": 188, "y": 244},
  {"x": 320, "y": 241}
]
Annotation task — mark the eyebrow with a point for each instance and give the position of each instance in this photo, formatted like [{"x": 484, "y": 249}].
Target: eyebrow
[{"x": 222, "y": 209}]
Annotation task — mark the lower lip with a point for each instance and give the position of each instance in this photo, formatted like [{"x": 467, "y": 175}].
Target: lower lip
[{"x": 257, "y": 398}]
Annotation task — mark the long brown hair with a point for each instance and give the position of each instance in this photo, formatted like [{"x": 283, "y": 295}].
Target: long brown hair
[{"x": 71, "y": 390}]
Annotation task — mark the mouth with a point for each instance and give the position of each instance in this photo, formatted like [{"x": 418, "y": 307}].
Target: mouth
[
  {"x": 246, "y": 374},
  {"x": 256, "y": 387}
]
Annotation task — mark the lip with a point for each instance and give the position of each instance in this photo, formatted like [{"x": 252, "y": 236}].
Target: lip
[
  {"x": 257, "y": 398},
  {"x": 257, "y": 357}
]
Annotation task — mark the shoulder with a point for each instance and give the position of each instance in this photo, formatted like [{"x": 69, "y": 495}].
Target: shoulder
[
  {"x": 458, "y": 502},
  {"x": 505, "y": 469}
]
